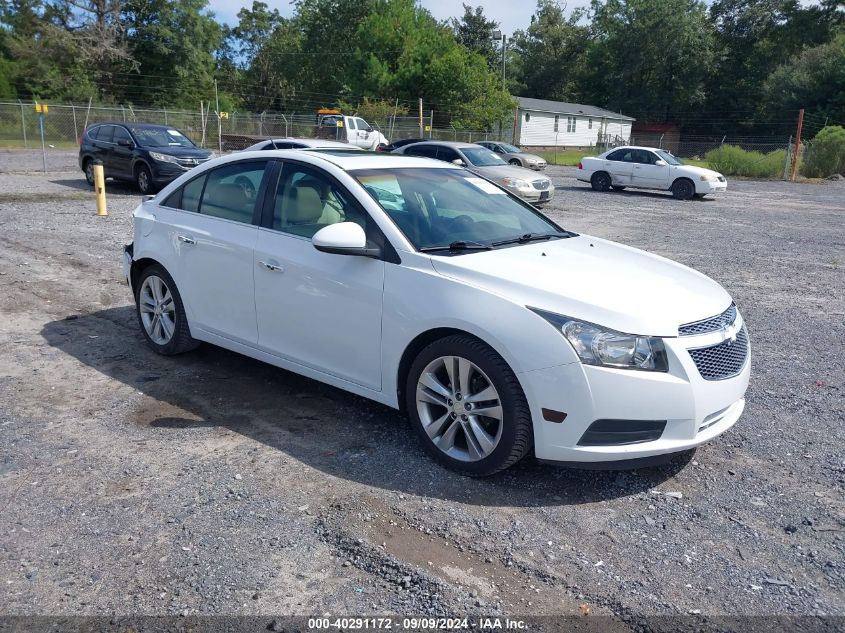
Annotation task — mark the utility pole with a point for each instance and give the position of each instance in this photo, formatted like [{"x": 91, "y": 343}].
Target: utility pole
[
  {"x": 219, "y": 120},
  {"x": 797, "y": 149},
  {"x": 421, "y": 119},
  {"x": 504, "y": 49}
]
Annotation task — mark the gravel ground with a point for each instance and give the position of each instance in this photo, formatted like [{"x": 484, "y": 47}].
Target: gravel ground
[{"x": 214, "y": 484}]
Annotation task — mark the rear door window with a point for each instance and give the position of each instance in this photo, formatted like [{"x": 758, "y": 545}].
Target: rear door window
[
  {"x": 120, "y": 134},
  {"x": 231, "y": 191},
  {"x": 427, "y": 151},
  {"x": 105, "y": 133}
]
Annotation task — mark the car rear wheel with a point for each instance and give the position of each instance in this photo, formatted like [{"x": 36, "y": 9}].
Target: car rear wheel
[
  {"x": 600, "y": 181},
  {"x": 683, "y": 189},
  {"x": 515, "y": 161},
  {"x": 468, "y": 407},
  {"x": 144, "y": 179},
  {"x": 161, "y": 313}
]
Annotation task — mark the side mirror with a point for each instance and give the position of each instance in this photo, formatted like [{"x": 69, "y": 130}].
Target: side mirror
[
  {"x": 125, "y": 142},
  {"x": 459, "y": 162},
  {"x": 660, "y": 162},
  {"x": 344, "y": 238}
]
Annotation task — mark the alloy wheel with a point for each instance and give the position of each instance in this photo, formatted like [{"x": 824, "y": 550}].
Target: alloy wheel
[
  {"x": 460, "y": 408},
  {"x": 158, "y": 310},
  {"x": 143, "y": 181}
]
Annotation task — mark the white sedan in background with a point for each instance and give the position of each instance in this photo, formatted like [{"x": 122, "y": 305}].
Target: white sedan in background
[
  {"x": 425, "y": 287},
  {"x": 649, "y": 168}
]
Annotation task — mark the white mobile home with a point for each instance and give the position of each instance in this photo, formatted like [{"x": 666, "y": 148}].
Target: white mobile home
[{"x": 541, "y": 123}]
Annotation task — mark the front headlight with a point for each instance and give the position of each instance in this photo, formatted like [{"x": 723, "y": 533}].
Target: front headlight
[
  {"x": 163, "y": 158},
  {"x": 709, "y": 178},
  {"x": 516, "y": 183},
  {"x": 596, "y": 345}
]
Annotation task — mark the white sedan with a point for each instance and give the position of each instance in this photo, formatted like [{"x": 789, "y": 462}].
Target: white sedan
[
  {"x": 425, "y": 287},
  {"x": 649, "y": 168}
]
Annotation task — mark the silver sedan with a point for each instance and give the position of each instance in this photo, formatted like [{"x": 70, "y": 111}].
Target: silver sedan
[{"x": 515, "y": 156}]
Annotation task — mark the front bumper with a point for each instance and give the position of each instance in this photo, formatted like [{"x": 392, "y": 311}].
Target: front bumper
[
  {"x": 126, "y": 263},
  {"x": 695, "y": 410},
  {"x": 709, "y": 186},
  {"x": 534, "y": 195}
]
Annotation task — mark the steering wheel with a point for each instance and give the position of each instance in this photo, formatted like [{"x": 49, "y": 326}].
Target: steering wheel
[{"x": 247, "y": 186}]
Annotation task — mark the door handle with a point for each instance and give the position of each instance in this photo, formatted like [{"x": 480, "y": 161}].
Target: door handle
[
  {"x": 186, "y": 240},
  {"x": 272, "y": 267}
]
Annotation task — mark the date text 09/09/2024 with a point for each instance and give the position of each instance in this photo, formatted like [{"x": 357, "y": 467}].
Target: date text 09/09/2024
[{"x": 415, "y": 624}]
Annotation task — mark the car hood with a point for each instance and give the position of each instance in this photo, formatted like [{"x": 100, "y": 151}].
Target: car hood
[
  {"x": 595, "y": 280},
  {"x": 529, "y": 156},
  {"x": 180, "y": 152},
  {"x": 497, "y": 172},
  {"x": 694, "y": 170}
]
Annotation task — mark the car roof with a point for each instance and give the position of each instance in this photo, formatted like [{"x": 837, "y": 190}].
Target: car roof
[
  {"x": 349, "y": 161},
  {"x": 650, "y": 149},
  {"x": 311, "y": 142},
  {"x": 134, "y": 124},
  {"x": 452, "y": 144}
]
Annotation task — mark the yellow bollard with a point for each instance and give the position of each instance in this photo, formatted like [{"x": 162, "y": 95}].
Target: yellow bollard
[{"x": 100, "y": 188}]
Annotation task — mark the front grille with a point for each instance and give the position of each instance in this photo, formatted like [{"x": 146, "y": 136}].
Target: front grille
[
  {"x": 541, "y": 184},
  {"x": 724, "y": 360},
  {"x": 190, "y": 162},
  {"x": 712, "y": 324}
]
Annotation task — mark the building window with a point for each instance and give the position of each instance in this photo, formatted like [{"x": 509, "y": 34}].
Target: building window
[
  {"x": 590, "y": 123},
  {"x": 570, "y": 123},
  {"x": 556, "y": 120},
  {"x": 527, "y": 117}
]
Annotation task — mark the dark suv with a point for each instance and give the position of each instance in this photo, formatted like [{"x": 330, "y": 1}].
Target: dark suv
[{"x": 148, "y": 155}]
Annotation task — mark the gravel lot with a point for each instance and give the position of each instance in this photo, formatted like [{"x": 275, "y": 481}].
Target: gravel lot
[{"x": 214, "y": 484}]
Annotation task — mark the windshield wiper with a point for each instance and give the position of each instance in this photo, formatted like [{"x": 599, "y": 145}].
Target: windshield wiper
[
  {"x": 531, "y": 237},
  {"x": 457, "y": 246}
]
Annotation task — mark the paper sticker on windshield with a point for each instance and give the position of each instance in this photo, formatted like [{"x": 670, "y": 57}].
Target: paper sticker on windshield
[
  {"x": 486, "y": 187},
  {"x": 175, "y": 133}
]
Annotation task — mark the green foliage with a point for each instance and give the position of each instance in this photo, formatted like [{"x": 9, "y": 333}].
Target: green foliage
[
  {"x": 475, "y": 32},
  {"x": 373, "y": 109},
  {"x": 731, "y": 160},
  {"x": 826, "y": 154},
  {"x": 814, "y": 80}
]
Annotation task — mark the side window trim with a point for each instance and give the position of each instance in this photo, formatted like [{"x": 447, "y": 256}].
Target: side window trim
[{"x": 262, "y": 188}]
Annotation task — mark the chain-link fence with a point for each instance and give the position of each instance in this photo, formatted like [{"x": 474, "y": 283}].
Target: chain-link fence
[{"x": 64, "y": 125}]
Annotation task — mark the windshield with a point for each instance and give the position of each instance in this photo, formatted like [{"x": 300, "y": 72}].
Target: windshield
[
  {"x": 669, "y": 158},
  {"x": 510, "y": 149},
  {"x": 482, "y": 157},
  {"x": 160, "y": 137},
  {"x": 439, "y": 207}
]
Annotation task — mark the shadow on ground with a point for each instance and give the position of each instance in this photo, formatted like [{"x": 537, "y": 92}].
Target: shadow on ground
[
  {"x": 112, "y": 186},
  {"x": 632, "y": 193},
  {"x": 333, "y": 431}
]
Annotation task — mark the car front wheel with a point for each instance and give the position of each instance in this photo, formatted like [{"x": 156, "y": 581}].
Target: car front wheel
[
  {"x": 161, "y": 313},
  {"x": 683, "y": 189},
  {"x": 515, "y": 161},
  {"x": 468, "y": 407},
  {"x": 144, "y": 179},
  {"x": 89, "y": 171}
]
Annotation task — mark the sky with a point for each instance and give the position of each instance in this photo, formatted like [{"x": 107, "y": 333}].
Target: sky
[{"x": 510, "y": 14}]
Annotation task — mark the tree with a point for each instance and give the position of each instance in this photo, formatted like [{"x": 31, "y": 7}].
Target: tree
[
  {"x": 649, "y": 57},
  {"x": 474, "y": 31},
  {"x": 826, "y": 153},
  {"x": 814, "y": 80},
  {"x": 547, "y": 58},
  {"x": 171, "y": 42}
]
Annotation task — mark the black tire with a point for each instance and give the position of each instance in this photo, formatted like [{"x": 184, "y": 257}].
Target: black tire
[
  {"x": 683, "y": 189},
  {"x": 144, "y": 179},
  {"x": 181, "y": 340},
  {"x": 88, "y": 168},
  {"x": 699, "y": 196},
  {"x": 600, "y": 181},
  {"x": 516, "y": 438},
  {"x": 515, "y": 161},
  {"x": 618, "y": 187}
]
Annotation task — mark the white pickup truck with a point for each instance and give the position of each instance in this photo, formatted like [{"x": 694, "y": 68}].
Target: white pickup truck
[
  {"x": 333, "y": 125},
  {"x": 649, "y": 168}
]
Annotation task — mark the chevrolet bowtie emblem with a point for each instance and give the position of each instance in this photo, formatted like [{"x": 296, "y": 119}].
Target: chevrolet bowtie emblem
[{"x": 729, "y": 334}]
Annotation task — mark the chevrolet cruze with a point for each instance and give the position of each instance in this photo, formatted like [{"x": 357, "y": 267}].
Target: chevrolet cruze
[{"x": 430, "y": 289}]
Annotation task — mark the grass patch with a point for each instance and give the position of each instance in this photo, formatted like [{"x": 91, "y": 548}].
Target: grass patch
[
  {"x": 564, "y": 158},
  {"x": 731, "y": 160}
]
